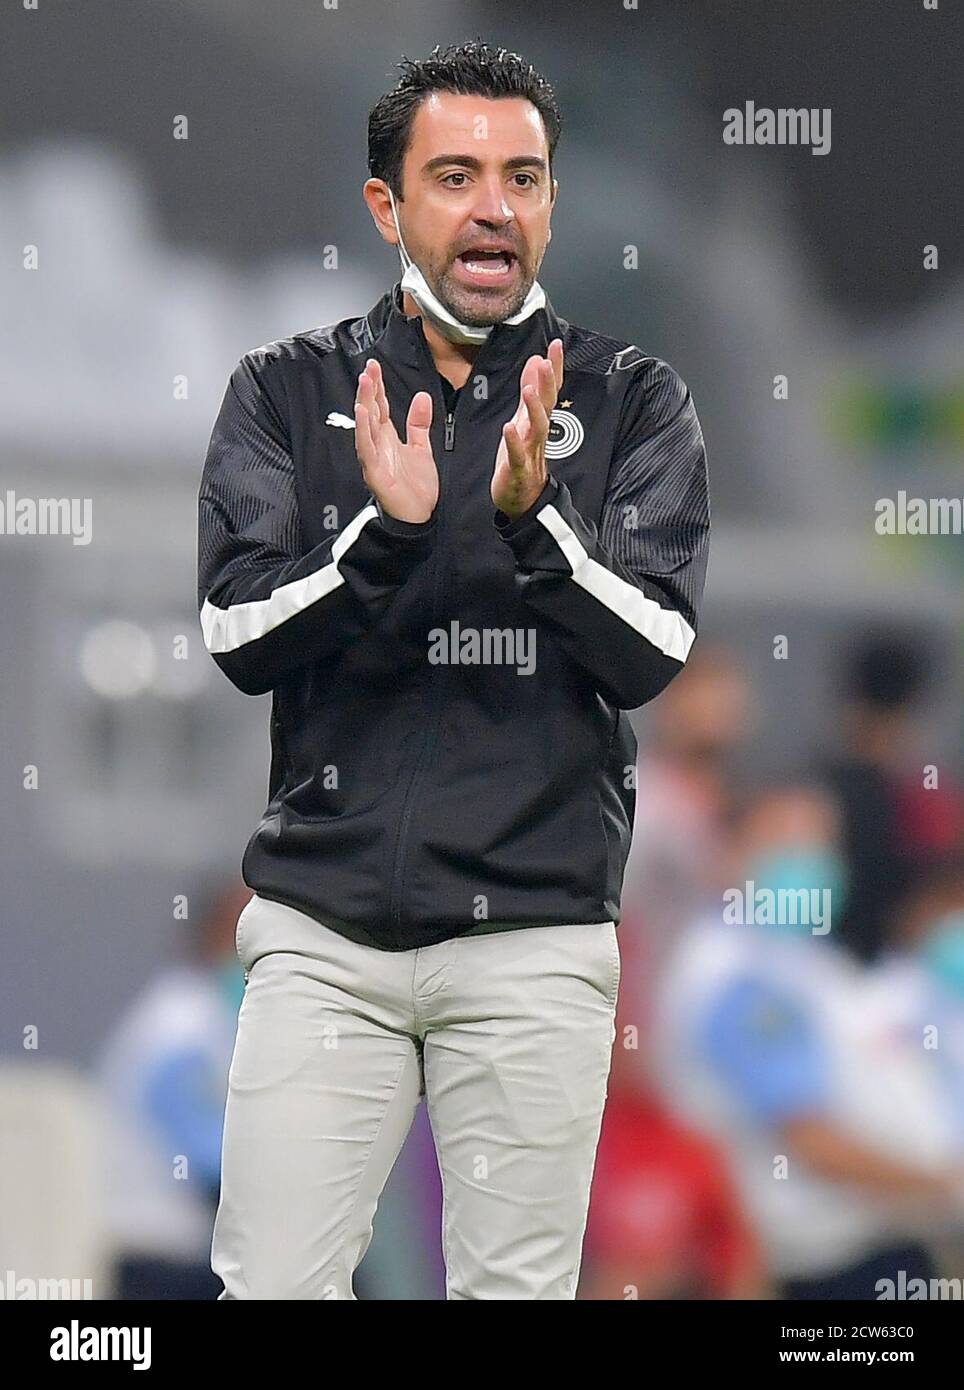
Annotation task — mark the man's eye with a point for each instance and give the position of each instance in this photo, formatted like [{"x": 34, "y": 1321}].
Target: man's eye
[{"x": 457, "y": 175}]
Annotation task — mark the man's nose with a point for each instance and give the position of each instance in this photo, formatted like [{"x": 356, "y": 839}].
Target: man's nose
[{"x": 492, "y": 207}]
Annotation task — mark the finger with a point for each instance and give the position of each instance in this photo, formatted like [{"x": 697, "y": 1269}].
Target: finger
[
  {"x": 364, "y": 443},
  {"x": 514, "y": 450},
  {"x": 366, "y": 397},
  {"x": 511, "y": 441},
  {"x": 548, "y": 391},
  {"x": 556, "y": 357},
  {"x": 530, "y": 374},
  {"x": 538, "y": 415},
  {"x": 368, "y": 390},
  {"x": 419, "y": 420},
  {"x": 366, "y": 387},
  {"x": 378, "y": 382}
]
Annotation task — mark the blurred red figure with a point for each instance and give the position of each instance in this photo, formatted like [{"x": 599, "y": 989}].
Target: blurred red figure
[{"x": 665, "y": 1219}]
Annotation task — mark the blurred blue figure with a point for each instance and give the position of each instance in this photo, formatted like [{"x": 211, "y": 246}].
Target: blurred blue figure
[
  {"x": 163, "y": 1070},
  {"x": 771, "y": 1037},
  {"x": 918, "y": 988}
]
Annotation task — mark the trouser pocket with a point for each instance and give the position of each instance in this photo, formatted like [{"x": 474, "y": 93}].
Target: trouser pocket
[
  {"x": 239, "y": 932},
  {"x": 616, "y": 967}
]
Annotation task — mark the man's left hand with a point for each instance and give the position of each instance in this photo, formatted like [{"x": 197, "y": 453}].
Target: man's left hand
[{"x": 520, "y": 464}]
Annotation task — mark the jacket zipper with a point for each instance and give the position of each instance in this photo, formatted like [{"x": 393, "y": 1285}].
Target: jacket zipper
[{"x": 438, "y": 673}]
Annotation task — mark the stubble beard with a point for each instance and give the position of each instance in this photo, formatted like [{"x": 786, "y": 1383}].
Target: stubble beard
[{"x": 479, "y": 308}]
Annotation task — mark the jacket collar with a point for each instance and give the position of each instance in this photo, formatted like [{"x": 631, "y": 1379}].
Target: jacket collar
[{"x": 401, "y": 339}]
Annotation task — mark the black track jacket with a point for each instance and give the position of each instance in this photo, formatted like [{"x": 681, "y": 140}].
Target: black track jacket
[{"x": 449, "y": 748}]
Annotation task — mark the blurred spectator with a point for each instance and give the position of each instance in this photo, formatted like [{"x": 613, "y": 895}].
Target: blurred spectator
[
  {"x": 763, "y": 1039},
  {"x": 164, "y": 1070},
  {"x": 918, "y": 990},
  {"x": 665, "y": 1219},
  {"x": 685, "y": 781},
  {"x": 891, "y": 820}
]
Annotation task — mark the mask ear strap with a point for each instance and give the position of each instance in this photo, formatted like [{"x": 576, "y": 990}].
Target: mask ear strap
[{"x": 406, "y": 258}]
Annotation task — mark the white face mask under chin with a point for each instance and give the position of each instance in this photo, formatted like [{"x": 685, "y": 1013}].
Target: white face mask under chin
[{"x": 417, "y": 286}]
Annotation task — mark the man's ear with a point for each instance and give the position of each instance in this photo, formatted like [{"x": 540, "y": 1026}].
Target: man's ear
[{"x": 375, "y": 193}]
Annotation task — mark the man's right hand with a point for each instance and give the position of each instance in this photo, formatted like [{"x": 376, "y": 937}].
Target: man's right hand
[{"x": 403, "y": 477}]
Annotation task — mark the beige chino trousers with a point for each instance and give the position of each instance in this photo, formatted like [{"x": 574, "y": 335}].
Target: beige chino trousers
[{"x": 509, "y": 1038}]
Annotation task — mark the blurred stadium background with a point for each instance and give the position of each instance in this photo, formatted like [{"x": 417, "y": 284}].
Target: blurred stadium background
[{"x": 162, "y": 258}]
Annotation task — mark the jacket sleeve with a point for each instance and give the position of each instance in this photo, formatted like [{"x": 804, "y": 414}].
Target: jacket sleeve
[
  {"x": 266, "y": 604},
  {"x": 624, "y": 599}
]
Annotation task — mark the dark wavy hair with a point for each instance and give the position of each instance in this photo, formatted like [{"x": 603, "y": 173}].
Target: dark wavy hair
[{"x": 474, "y": 68}]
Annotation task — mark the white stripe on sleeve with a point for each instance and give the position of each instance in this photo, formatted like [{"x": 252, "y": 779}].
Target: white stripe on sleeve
[
  {"x": 226, "y": 629},
  {"x": 666, "y": 629}
]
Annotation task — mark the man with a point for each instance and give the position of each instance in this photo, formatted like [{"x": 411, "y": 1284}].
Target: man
[
  {"x": 892, "y": 823},
  {"x": 163, "y": 1071},
  {"x": 764, "y": 1035},
  {"x": 456, "y": 538}
]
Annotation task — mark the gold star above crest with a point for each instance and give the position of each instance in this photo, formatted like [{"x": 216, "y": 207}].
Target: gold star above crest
[{"x": 564, "y": 405}]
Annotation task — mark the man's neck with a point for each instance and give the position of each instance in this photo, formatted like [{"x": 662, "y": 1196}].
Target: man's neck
[{"x": 452, "y": 360}]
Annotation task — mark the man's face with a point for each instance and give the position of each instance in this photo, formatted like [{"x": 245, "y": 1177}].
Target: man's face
[{"x": 476, "y": 179}]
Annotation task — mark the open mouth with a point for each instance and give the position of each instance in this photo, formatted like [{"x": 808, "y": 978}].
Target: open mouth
[{"x": 487, "y": 267}]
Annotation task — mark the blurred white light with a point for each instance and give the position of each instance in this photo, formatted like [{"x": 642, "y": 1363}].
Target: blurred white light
[
  {"x": 117, "y": 659},
  {"x": 177, "y": 677}
]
